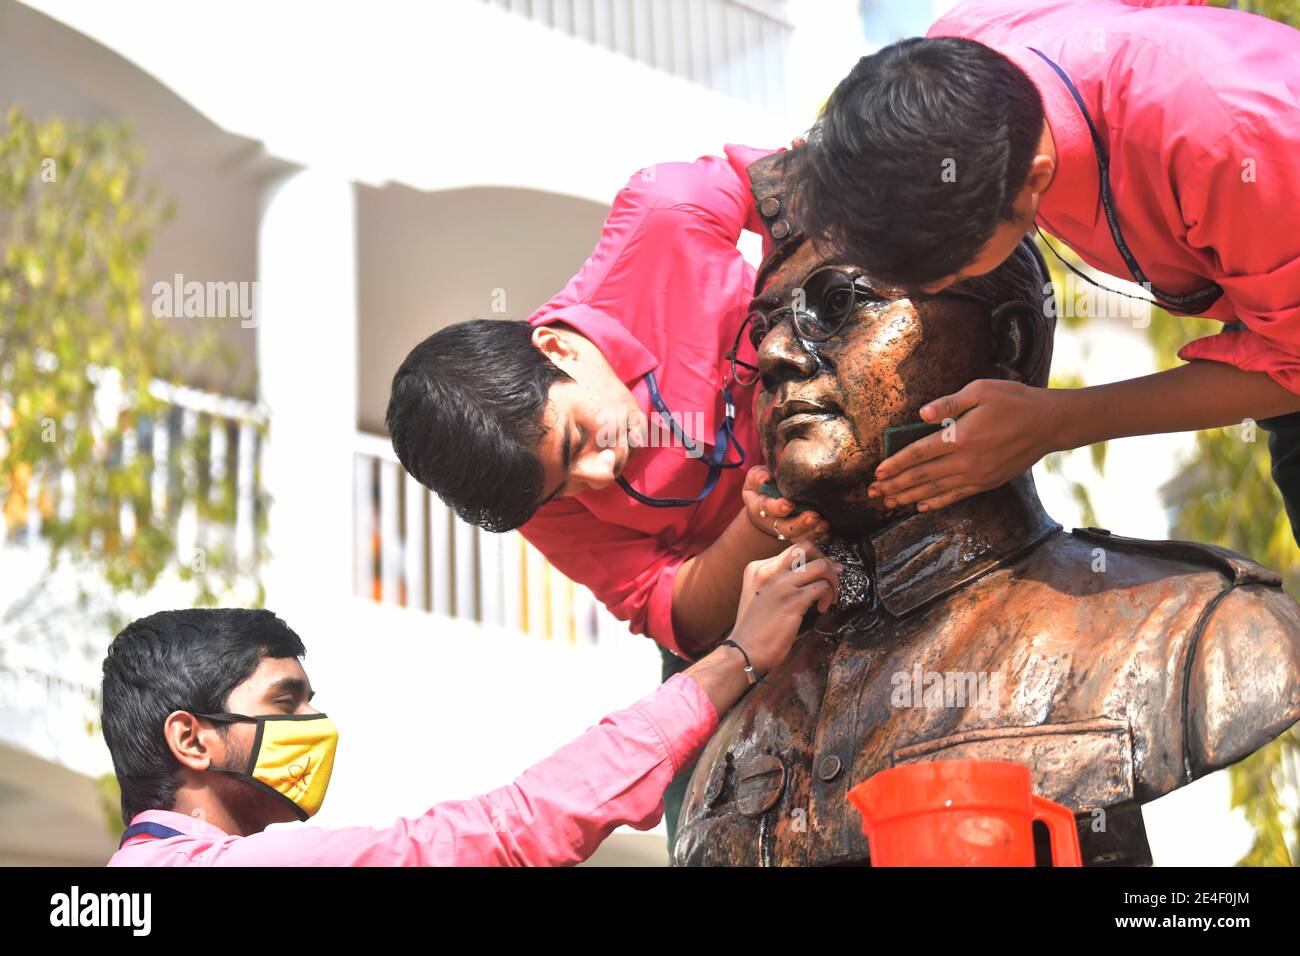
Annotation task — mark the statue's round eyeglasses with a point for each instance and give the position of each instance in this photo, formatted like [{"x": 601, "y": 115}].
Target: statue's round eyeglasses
[
  {"x": 821, "y": 307},
  {"x": 825, "y": 301}
]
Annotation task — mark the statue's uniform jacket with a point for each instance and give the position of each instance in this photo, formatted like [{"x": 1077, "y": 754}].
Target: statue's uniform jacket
[{"x": 1116, "y": 669}]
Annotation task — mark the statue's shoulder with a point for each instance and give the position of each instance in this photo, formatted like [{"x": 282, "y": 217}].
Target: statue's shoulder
[
  {"x": 1241, "y": 668},
  {"x": 1237, "y": 568},
  {"x": 1242, "y": 687}
]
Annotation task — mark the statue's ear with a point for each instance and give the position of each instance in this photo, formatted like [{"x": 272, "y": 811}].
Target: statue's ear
[{"x": 1023, "y": 339}]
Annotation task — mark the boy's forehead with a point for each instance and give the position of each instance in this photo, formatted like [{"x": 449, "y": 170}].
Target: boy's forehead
[{"x": 271, "y": 671}]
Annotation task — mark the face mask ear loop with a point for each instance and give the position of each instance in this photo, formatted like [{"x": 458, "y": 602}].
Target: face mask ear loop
[{"x": 229, "y": 718}]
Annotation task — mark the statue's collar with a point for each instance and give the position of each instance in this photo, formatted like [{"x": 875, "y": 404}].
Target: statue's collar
[{"x": 929, "y": 554}]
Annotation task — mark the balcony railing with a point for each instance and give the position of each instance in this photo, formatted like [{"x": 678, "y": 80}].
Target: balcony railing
[
  {"x": 222, "y": 475},
  {"x": 737, "y": 47},
  {"x": 412, "y": 550}
]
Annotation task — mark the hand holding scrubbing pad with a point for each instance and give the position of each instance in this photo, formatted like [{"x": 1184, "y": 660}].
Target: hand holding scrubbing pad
[
  {"x": 770, "y": 489},
  {"x": 898, "y": 437}
]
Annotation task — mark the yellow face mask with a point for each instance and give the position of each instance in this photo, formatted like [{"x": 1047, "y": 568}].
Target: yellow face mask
[{"x": 292, "y": 756}]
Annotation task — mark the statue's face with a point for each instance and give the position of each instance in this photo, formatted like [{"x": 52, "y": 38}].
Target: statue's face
[{"x": 824, "y": 405}]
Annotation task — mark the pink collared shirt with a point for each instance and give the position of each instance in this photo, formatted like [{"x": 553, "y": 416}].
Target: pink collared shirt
[
  {"x": 555, "y": 814},
  {"x": 1198, "y": 109},
  {"x": 665, "y": 290}
]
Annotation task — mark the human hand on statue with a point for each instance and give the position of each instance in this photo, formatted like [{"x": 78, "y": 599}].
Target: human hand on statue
[
  {"x": 772, "y": 516},
  {"x": 777, "y": 592},
  {"x": 993, "y": 430}
]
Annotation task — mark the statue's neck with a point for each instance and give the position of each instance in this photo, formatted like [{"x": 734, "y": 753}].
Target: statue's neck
[{"x": 919, "y": 556}]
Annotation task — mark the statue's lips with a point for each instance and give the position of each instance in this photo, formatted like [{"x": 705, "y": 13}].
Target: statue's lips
[
  {"x": 798, "y": 422},
  {"x": 792, "y": 416}
]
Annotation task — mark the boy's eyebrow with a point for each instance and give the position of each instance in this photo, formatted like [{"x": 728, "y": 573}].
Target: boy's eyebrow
[
  {"x": 566, "y": 456},
  {"x": 294, "y": 685}
]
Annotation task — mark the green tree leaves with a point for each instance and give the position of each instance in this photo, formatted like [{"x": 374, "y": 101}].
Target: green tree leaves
[{"x": 81, "y": 358}]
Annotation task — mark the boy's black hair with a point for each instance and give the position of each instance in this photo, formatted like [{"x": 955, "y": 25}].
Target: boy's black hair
[
  {"x": 1021, "y": 283},
  {"x": 466, "y": 417},
  {"x": 918, "y": 156}
]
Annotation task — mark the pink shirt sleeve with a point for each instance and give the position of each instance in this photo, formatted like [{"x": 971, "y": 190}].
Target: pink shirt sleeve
[
  {"x": 556, "y": 813},
  {"x": 674, "y": 232},
  {"x": 1231, "y": 199},
  {"x": 983, "y": 20},
  {"x": 715, "y": 187}
]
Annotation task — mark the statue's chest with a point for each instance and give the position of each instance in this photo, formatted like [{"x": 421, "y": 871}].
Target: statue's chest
[{"x": 944, "y": 685}]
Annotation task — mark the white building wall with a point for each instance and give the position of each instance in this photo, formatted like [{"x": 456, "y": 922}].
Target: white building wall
[{"x": 435, "y": 96}]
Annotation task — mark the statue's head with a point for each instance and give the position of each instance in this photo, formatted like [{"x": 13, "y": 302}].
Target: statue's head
[{"x": 863, "y": 358}]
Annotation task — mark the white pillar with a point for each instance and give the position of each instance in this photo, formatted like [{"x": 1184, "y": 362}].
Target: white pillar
[{"x": 307, "y": 372}]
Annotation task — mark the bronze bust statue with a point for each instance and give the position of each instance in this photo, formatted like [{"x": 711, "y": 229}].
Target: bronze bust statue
[{"x": 1116, "y": 669}]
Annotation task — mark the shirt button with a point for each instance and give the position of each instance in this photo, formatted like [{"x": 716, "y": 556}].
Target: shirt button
[
  {"x": 717, "y": 782},
  {"x": 770, "y": 206},
  {"x": 759, "y": 785},
  {"x": 829, "y": 768},
  {"x": 780, "y": 229}
]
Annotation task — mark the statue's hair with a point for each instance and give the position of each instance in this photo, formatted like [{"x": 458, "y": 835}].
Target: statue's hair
[
  {"x": 1022, "y": 277},
  {"x": 1021, "y": 287}
]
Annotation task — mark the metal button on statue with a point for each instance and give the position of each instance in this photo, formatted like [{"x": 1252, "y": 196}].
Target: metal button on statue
[
  {"x": 829, "y": 768},
  {"x": 760, "y": 786},
  {"x": 717, "y": 783}
]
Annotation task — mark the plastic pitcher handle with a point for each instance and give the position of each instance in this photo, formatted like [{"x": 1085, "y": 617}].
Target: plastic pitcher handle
[{"x": 1061, "y": 828}]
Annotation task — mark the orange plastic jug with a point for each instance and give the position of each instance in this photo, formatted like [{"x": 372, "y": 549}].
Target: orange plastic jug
[{"x": 960, "y": 813}]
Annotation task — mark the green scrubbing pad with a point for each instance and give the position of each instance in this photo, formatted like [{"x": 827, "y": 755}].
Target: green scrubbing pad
[
  {"x": 898, "y": 437},
  {"x": 770, "y": 489}
]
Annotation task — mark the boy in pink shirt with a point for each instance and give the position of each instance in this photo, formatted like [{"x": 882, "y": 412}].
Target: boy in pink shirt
[
  {"x": 552, "y": 424},
  {"x": 1160, "y": 140},
  {"x": 208, "y": 716}
]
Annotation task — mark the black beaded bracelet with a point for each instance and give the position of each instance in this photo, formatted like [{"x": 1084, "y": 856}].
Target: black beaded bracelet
[{"x": 749, "y": 668}]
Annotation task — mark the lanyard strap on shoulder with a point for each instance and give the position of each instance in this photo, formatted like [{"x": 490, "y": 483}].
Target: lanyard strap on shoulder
[
  {"x": 722, "y": 443},
  {"x": 159, "y": 830},
  {"x": 1189, "y": 303}
]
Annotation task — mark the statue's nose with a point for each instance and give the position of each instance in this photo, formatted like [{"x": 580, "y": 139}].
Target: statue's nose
[{"x": 782, "y": 356}]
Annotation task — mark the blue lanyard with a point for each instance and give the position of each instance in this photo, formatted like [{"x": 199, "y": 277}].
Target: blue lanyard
[
  {"x": 158, "y": 830},
  {"x": 722, "y": 443},
  {"x": 1188, "y": 303}
]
